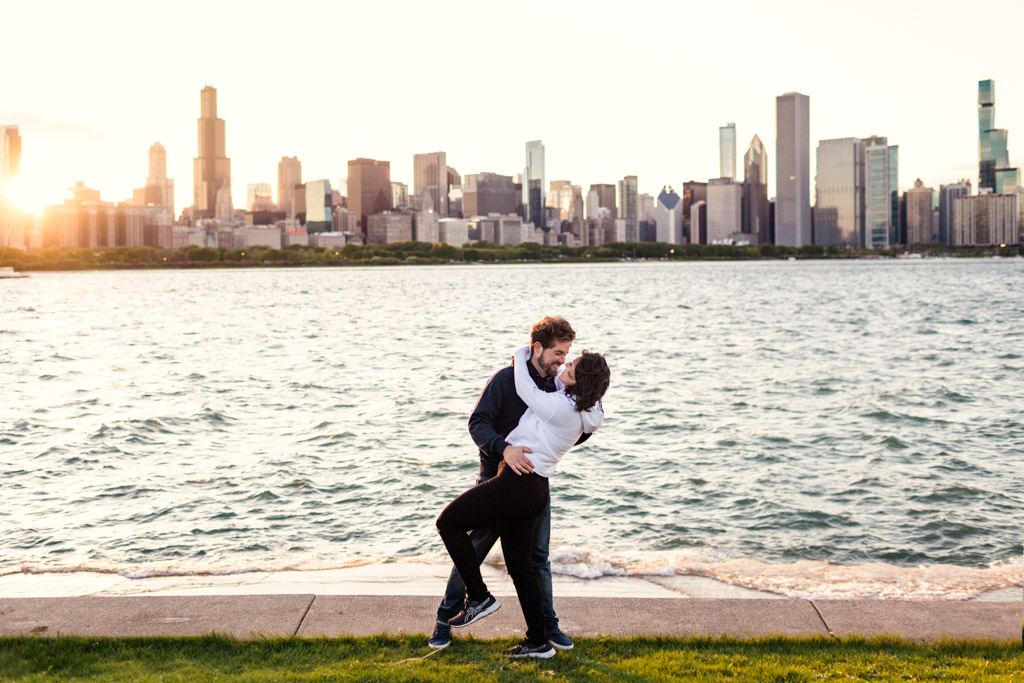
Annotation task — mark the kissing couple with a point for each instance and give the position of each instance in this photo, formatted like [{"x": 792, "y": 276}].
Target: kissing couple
[{"x": 527, "y": 418}]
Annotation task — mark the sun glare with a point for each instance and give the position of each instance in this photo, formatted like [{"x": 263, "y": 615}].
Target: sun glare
[{"x": 29, "y": 197}]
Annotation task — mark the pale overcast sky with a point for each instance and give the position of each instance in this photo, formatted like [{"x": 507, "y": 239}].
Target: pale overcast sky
[{"x": 612, "y": 88}]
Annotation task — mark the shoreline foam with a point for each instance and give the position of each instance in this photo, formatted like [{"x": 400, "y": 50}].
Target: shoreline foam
[{"x": 420, "y": 578}]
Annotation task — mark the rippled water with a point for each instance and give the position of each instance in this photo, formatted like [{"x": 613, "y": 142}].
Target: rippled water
[{"x": 774, "y": 425}]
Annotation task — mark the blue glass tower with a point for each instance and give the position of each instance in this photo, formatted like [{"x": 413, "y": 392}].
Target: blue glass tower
[{"x": 994, "y": 170}]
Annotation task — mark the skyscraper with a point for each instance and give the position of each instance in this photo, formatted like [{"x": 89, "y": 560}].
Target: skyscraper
[
  {"x": 881, "y": 193},
  {"x": 727, "y": 151},
  {"x": 157, "y": 164},
  {"x": 289, "y": 174},
  {"x": 430, "y": 176},
  {"x": 399, "y": 195},
  {"x": 792, "y": 170},
  {"x": 605, "y": 197},
  {"x": 919, "y": 214},
  {"x": 839, "y": 193},
  {"x": 534, "y": 184},
  {"x": 258, "y": 197},
  {"x": 318, "y": 206},
  {"x": 948, "y": 193},
  {"x": 369, "y": 188},
  {"x": 693, "y": 192},
  {"x": 159, "y": 189},
  {"x": 669, "y": 227},
  {"x": 724, "y": 210},
  {"x": 985, "y": 220},
  {"x": 629, "y": 206},
  {"x": 994, "y": 169},
  {"x": 10, "y": 162},
  {"x": 211, "y": 168},
  {"x": 755, "y": 192},
  {"x": 10, "y": 155},
  {"x": 486, "y": 193}
]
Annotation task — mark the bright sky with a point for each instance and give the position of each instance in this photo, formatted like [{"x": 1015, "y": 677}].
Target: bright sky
[{"x": 612, "y": 88}]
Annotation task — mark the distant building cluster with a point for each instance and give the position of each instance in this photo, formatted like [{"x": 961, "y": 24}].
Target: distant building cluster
[{"x": 856, "y": 203}]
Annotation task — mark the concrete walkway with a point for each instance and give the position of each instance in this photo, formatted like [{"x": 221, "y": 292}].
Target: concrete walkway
[{"x": 307, "y": 615}]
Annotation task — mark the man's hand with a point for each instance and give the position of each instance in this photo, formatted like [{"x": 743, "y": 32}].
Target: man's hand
[{"x": 515, "y": 459}]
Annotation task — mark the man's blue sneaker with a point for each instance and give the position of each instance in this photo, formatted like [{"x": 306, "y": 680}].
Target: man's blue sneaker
[
  {"x": 441, "y": 637},
  {"x": 528, "y": 649},
  {"x": 558, "y": 640}
]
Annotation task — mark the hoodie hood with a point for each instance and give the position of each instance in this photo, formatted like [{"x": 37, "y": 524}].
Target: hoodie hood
[{"x": 592, "y": 418}]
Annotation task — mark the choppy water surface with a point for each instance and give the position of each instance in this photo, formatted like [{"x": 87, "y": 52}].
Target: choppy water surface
[{"x": 812, "y": 428}]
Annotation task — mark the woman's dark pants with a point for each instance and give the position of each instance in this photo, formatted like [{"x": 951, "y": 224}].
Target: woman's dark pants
[{"x": 511, "y": 503}]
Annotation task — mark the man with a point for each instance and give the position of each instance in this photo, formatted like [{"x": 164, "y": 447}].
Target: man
[{"x": 497, "y": 413}]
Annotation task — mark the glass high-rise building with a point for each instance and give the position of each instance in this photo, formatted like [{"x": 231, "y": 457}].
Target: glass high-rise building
[
  {"x": 994, "y": 170},
  {"x": 839, "y": 193},
  {"x": 727, "y": 151},
  {"x": 881, "y": 193},
  {"x": 629, "y": 206},
  {"x": 755, "y": 192},
  {"x": 534, "y": 185},
  {"x": 792, "y": 170}
]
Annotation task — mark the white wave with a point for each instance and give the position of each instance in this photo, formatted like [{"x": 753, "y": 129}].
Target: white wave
[{"x": 804, "y": 579}]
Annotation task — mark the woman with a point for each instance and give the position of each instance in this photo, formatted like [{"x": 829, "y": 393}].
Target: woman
[{"x": 552, "y": 423}]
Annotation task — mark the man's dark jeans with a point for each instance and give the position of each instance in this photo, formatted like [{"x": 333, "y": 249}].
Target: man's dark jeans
[{"x": 483, "y": 540}]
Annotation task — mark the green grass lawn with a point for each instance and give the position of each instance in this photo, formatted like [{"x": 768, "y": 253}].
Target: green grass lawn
[{"x": 215, "y": 658}]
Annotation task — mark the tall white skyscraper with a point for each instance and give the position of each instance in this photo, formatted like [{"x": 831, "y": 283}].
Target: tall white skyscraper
[
  {"x": 792, "y": 170},
  {"x": 727, "y": 151},
  {"x": 534, "y": 184},
  {"x": 669, "y": 217}
]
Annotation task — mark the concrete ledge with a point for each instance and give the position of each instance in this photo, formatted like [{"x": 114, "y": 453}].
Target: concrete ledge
[
  {"x": 923, "y": 621},
  {"x": 240, "y": 616},
  {"x": 254, "y": 616},
  {"x": 336, "y": 615}
]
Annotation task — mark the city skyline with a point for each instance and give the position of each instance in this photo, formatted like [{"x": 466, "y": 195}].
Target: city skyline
[{"x": 103, "y": 139}]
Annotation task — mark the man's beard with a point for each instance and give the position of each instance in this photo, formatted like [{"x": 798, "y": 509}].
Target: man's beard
[{"x": 546, "y": 369}]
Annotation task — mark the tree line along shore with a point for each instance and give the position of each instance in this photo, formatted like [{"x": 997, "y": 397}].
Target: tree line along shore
[{"x": 420, "y": 253}]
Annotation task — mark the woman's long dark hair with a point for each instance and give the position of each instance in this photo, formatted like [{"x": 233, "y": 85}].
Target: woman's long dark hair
[{"x": 592, "y": 378}]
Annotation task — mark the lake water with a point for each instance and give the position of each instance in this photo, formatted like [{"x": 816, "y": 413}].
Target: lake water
[{"x": 812, "y": 428}]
